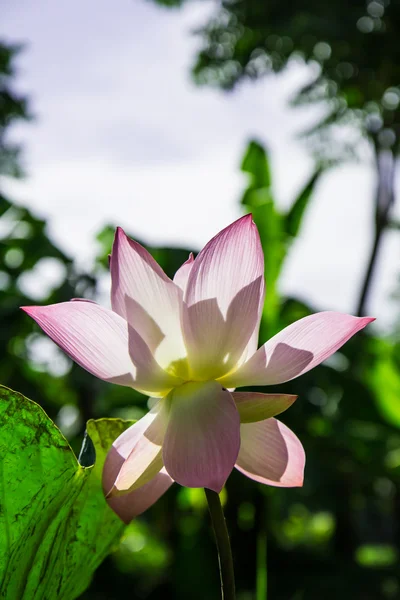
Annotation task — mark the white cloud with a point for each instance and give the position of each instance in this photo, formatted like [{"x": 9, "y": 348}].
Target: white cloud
[{"x": 123, "y": 136}]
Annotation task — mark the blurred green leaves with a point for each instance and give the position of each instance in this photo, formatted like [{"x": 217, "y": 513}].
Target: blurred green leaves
[
  {"x": 384, "y": 380},
  {"x": 13, "y": 107},
  {"x": 304, "y": 528},
  {"x": 55, "y": 526},
  {"x": 375, "y": 556},
  {"x": 357, "y": 81}
]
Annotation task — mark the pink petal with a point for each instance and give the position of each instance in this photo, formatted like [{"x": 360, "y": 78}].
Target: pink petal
[
  {"x": 202, "y": 440},
  {"x": 132, "y": 504},
  {"x": 297, "y": 349},
  {"x": 223, "y": 299},
  {"x": 182, "y": 274},
  {"x": 253, "y": 406},
  {"x": 143, "y": 294},
  {"x": 270, "y": 453},
  {"x": 94, "y": 337},
  {"x": 252, "y": 344},
  {"x": 135, "y": 456},
  {"x": 104, "y": 344},
  {"x": 149, "y": 377}
]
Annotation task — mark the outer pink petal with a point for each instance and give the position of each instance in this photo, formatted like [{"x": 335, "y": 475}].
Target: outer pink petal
[
  {"x": 94, "y": 337},
  {"x": 182, "y": 274},
  {"x": 143, "y": 294},
  {"x": 270, "y": 453},
  {"x": 132, "y": 504},
  {"x": 297, "y": 349},
  {"x": 104, "y": 344},
  {"x": 253, "y": 406},
  {"x": 202, "y": 440},
  {"x": 223, "y": 299},
  {"x": 135, "y": 456}
]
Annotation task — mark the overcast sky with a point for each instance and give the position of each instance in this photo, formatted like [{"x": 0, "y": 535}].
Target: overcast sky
[{"x": 122, "y": 135}]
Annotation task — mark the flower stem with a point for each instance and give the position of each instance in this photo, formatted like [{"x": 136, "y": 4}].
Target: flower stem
[
  {"x": 262, "y": 574},
  {"x": 223, "y": 545}
]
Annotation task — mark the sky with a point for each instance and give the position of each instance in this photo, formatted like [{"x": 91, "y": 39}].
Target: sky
[{"x": 123, "y": 136}]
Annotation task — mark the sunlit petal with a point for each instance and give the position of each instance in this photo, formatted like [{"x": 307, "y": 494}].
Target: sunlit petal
[
  {"x": 182, "y": 274},
  {"x": 149, "y": 377},
  {"x": 223, "y": 298},
  {"x": 143, "y": 294},
  {"x": 135, "y": 456}
]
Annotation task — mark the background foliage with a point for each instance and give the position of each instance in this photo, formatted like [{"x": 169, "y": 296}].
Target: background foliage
[{"x": 338, "y": 536}]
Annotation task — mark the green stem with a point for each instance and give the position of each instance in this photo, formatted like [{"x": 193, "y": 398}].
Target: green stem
[
  {"x": 262, "y": 574},
  {"x": 261, "y": 527},
  {"x": 223, "y": 545}
]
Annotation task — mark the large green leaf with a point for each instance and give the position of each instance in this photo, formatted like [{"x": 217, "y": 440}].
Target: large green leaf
[
  {"x": 256, "y": 164},
  {"x": 259, "y": 200},
  {"x": 277, "y": 229},
  {"x": 269, "y": 223},
  {"x": 294, "y": 217},
  {"x": 55, "y": 526}
]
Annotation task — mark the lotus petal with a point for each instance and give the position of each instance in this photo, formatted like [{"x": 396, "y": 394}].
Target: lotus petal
[
  {"x": 202, "y": 440},
  {"x": 270, "y": 453},
  {"x": 297, "y": 349}
]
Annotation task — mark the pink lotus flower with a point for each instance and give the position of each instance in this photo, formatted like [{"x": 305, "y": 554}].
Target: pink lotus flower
[{"x": 187, "y": 342}]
